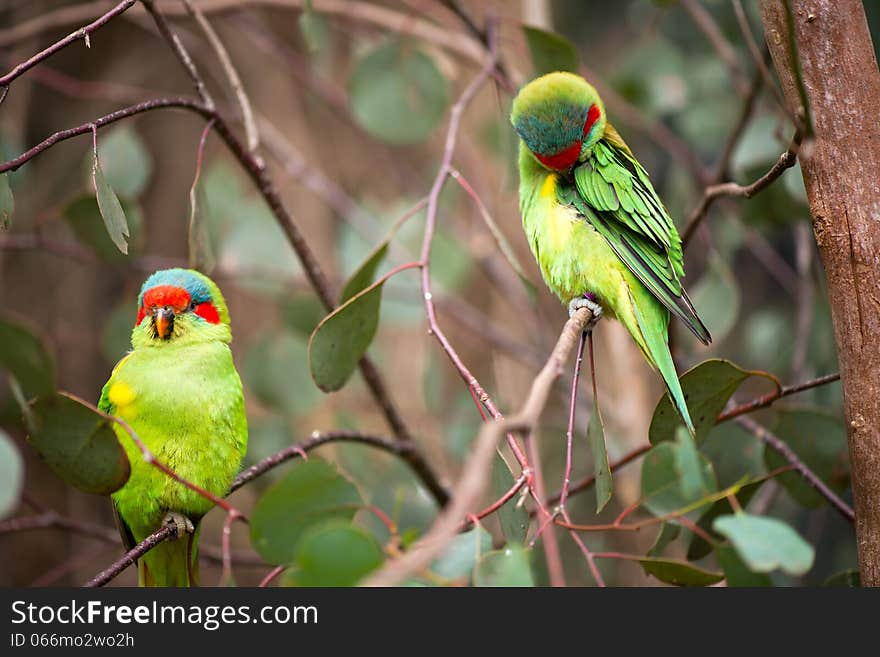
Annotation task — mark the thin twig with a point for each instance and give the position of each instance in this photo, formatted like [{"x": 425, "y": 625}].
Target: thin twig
[
  {"x": 766, "y": 400},
  {"x": 252, "y": 136},
  {"x": 475, "y": 475},
  {"x": 180, "y": 52},
  {"x": 162, "y": 534},
  {"x": 81, "y": 33},
  {"x": 785, "y": 161},
  {"x": 786, "y": 452}
]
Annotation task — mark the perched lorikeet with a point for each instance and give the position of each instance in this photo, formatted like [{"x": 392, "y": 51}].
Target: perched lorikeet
[
  {"x": 180, "y": 392},
  {"x": 597, "y": 228}
]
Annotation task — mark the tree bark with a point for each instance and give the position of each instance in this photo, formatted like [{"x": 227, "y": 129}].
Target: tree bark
[{"x": 841, "y": 170}]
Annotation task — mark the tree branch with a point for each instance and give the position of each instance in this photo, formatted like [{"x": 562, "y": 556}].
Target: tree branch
[
  {"x": 81, "y": 33},
  {"x": 811, "y": 477},
  {"x": 474, "y": 478}
]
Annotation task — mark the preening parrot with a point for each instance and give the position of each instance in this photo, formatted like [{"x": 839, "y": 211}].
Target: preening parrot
[
  {"x": 597, "y": 228},
  {"x": 179, "y": 390}
]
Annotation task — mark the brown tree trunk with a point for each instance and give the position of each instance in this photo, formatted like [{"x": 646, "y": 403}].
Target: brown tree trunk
[{"x": 841, "y": 171}]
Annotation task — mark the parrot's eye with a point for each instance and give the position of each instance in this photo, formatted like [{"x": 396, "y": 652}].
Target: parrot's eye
[{"x": 192, "y": 306}]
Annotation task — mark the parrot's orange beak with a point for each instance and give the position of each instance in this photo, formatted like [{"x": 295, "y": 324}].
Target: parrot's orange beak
[{"x": 163, "y": 320}]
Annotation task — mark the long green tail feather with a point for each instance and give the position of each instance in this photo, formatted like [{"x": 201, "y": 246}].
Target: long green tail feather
[
  {"x": 166, "y": 564},
  {"x": 657, "y": 341}
]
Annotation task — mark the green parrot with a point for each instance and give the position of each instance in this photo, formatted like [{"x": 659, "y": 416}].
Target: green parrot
[
  {"x": 597, "y": 228},
  {"x": 179, "y": 390}
]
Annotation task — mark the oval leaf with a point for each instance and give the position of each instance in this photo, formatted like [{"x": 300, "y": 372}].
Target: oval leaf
[
  {"x": 84, "y": 217},
  {"x": 662, "y": 490},
  {"x": 678, "y": 572},
  {"x": 78, "y": 444},
  {"x": 11, "y": 474},
  {"x": 312, "y": 492},
  {"x": 363, "y": 276},
  {"x": 765, "y": 544},
  {"x": 513, "y": 517},
  {"x": 601, "y": 469},
  {"x": 27, "y": 358},
  {"x": 735, "y": 571},
  {"x": 334, "y": 554},
  {"x": 397, "y": 93},
  {"x": 706, "y": 388},
  {"x": 550, "y": 52},
  {"x": 507, "y": 567},
  {"x": 125, "y": 159},
  {"x": 342, "y": 338},
  {"x": 458, "y": 560},
  {"x": 7, "y": 202},
  {"x": 819, "y": 440},
  {"x": 110, "y": 208}
]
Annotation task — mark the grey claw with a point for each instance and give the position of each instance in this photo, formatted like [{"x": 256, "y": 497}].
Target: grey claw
[
  {"x": 583, "y": 302},
  {"x": 180, "y": 522}
]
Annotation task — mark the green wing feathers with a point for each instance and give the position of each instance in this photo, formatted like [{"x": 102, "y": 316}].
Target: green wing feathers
[{"x": 613, "y": 192}]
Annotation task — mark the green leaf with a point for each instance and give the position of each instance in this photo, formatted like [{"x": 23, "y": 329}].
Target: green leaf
[
  {"x": 459, "y": 559},
  {"x": 706, "y": 387},
  {"x": 678, "y": 572},
  {"x": 601, "y": 469},
  {"x": 11, "y": 474},
  {"x": 716, "y": 297},
  {"x": 550, "y": 52},
  {"x": 7, "y": 202},
  {"x": 333, "y": 553},
  {"x": 397, "y": 93},
  {"x": 312, "y": 492},
  {"x": 846, "y": 578},
  {"x": 507, "y": 567},
  {"x": 78, "y": 444},
  {"x": 84, "y": 217},
  {"x": 699, "y": 547},
  {"x": 116, "y": 336},
  {"x": 110, "y": 208},
  {"x": 26, "y": 357},
  {"x": 342, "y": 338},
  {"x": 514, "y": 519},
  {"x": 668, "y": 532},
  {"x": 765, "y": 544},
  {"x": 735, "y": 571},
  {"x": 126, "y": 161},
  {"x": 662, "y": 490},
  {"x": 302, "y": 313},
  {"x": 363, "y": 276},
  {"x": 689, "y": 467},
  {"x": 274, "y": 372},
  {"x": 819, "y": 440}
]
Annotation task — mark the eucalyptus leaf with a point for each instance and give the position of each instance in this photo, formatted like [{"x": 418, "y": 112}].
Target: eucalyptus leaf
[
  {"x": 333, "y": 553},
  {"x": 550, "y": 51},
  {"x": 766, "y": 544},
  {"x": 506, "y": 567},
  {"x": 27, "y": 358},
  {"x": 397, "y": 93},
  {"x": 7, "y": 202},
  {"x": 679, "y": 572},
  {"x": 601, "y": 469},
  {"x": 78, "y": 444},
  {"x": 110, "y": 208},
  {"x": 311, "y": 492}
]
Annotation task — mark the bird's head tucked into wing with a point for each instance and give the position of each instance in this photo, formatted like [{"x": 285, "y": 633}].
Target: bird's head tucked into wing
[
  {"x": 559, "y": 117},
  {"x": 180, "y": 305}
]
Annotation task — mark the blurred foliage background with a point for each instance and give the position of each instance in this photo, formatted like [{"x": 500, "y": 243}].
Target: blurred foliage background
[{"x": 352, "y": 116}]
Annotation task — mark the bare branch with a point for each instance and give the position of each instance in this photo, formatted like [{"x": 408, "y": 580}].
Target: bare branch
[
  {"x": 785, "y": 161},
  {"x": 247, "y": 115},
  {"x": 475, "y": 476},
  {"x": 180, "y": 52},
  {"x": 81, "y": 33},
  {"x": 811, "y": 477}
]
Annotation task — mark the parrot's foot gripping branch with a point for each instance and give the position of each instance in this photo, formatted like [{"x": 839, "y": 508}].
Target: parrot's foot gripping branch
[
  {"x": 180, "y": 522},
  {"x": 586, "y": 301}
]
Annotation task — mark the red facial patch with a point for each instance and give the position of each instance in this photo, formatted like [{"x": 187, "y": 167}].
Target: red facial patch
[
  {"x": 592, "y": 116},
  {"x": 563, "y": 160},
  {"x": 208, "y": 312},
  {"x": 161, "y": 296}
]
